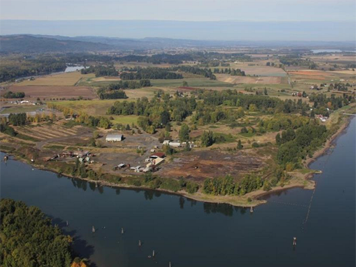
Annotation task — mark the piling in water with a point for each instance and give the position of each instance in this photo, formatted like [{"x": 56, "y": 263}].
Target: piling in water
[{"x": 294, "y": 241}]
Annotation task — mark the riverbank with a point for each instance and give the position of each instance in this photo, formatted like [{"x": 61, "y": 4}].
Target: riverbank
[{"x": 300, "y": 178}]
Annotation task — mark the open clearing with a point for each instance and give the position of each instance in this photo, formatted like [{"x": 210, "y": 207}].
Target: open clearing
[
  {"x": 248, "y": 80},
  {"x": 44, "y": 132},
  {"x": 259, "y": 69},
  {"x": 55, "y": 91},
  {"x": 198, "y": 165},
  {"x": 21, "y": 109},
  {"x": 106, "y": 79},
  {"x": 60, "y": 79}
]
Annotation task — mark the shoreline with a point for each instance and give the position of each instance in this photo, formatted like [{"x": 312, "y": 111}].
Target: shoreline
[{"x": 241, "y": 201}]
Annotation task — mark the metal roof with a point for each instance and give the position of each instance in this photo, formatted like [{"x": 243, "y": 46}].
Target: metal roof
[{"x": 114, "y": 136}]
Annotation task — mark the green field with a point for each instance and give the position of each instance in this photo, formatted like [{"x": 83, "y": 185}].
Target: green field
[
  {"x": 20, "y": 109},
  {"x": 118, "y": 119}
]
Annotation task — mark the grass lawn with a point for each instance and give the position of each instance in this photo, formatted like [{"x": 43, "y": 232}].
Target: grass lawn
[{"x": 118, "y": 119}]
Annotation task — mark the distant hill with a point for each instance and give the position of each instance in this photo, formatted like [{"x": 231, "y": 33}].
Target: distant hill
[
  {"x": 56, "y": 43},
  {"x": 33, "y": 44}
]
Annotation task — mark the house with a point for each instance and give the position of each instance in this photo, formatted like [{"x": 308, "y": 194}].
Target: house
[
  {"x": 114, "y": 138},
  {"x": 175, "y": 144},
  {"x": 158, "y": 155}
]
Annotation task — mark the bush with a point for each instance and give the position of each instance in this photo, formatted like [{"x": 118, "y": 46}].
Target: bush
[{"x": 192, "y": 187}]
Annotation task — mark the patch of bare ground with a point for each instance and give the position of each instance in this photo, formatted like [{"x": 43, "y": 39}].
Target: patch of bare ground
[
  {"x": 198, "y": 165},
  {"x": 248, "y": 80}
]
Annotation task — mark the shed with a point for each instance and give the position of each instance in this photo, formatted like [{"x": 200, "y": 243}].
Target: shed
[
  {"x": 114, "y": 138},
  {"x": 158, "y": 154}
]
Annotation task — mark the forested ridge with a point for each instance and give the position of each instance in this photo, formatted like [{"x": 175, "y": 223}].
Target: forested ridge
[{"x": 29, "y": 239}]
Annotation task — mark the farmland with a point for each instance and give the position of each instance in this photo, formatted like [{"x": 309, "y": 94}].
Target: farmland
[
  {"x": 57, "y": 91},
  {"x": 233, "y": 118},
  {"x": 60, "y": 79}
]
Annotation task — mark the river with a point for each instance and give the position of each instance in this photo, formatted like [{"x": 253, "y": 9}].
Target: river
[{"x": 190, "y": 233}]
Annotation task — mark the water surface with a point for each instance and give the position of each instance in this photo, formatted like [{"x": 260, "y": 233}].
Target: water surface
[{"x": 190, "y": 233}]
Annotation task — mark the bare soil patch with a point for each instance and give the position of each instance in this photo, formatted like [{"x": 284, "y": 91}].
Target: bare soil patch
[{"x": 199, "y": 165}]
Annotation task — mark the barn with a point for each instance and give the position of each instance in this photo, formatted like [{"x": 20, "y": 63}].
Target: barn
[{"x": 114, "y": 138}]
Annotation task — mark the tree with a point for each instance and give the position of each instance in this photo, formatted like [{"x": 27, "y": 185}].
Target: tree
[
  {"x": 185, "y": 83},
  {"x": 278, "y": 139},
  {"x": 207, "y": 139},
  {"x": 184, "y": 133},
  {"x": 265, "y": 91},
  {"x": 239, "y": 144},
  {"x": 165, "y": 117}
]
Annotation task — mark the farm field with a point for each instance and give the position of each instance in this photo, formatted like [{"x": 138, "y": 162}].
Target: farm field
[
  {"x": 48, "y": 92},
  {"x": 45, "y": 132},
  {"x": 248, "y": 80},
  {"x": 192, "y": 82},
  {"x": 21, "y": 108},
  {"x": 259, "y": 69},
  {"x": 61, "y": 79}
]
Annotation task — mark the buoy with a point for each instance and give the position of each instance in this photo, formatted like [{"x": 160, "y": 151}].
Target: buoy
[
  {"x": 294, "y": 241},
  {"x": 139, "y": 243},
  {"x": 122, "y": 230},
  {"x": 93, "y": 229}
]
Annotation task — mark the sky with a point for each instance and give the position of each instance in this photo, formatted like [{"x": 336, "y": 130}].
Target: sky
[{"x": 182, "y": 10}]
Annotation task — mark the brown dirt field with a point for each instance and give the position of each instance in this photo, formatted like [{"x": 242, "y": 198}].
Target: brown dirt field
[
  {"x": 248, "y": 80},
  {"x": 106, "y": 79},
  {"x": 310, "y": 73},
  {"x": 55, "y": 91},
  {"x": 45, "y": 132},
  {"x": 198, "y": 165}
]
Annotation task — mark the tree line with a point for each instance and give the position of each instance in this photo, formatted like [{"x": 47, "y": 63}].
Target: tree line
[
  {"x": 10, "y": 94},
  {"x": 150, "y": 73},
  {"x": 12, "y": 69},
  {"x": 29, "y": 239},
  {"x": 100, "y": 70},
  {"x": 232, "y": 72}
]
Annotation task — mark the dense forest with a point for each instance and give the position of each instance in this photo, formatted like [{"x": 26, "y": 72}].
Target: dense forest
[
  {"x": 29, "y": 239},
  {"x": 101, "y": 71},
  {"x": 11, "y": 69},
  {"x": 295, "y": 60},
  {"x": 10, "y": 94},
  {"x": 157, "y": 59}
]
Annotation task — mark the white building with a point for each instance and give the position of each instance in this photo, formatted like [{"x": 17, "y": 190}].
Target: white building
[{"x": 114, "y": 138}]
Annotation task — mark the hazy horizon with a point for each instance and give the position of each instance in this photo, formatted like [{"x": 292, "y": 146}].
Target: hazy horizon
[{"x": 326, "y": 31}]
